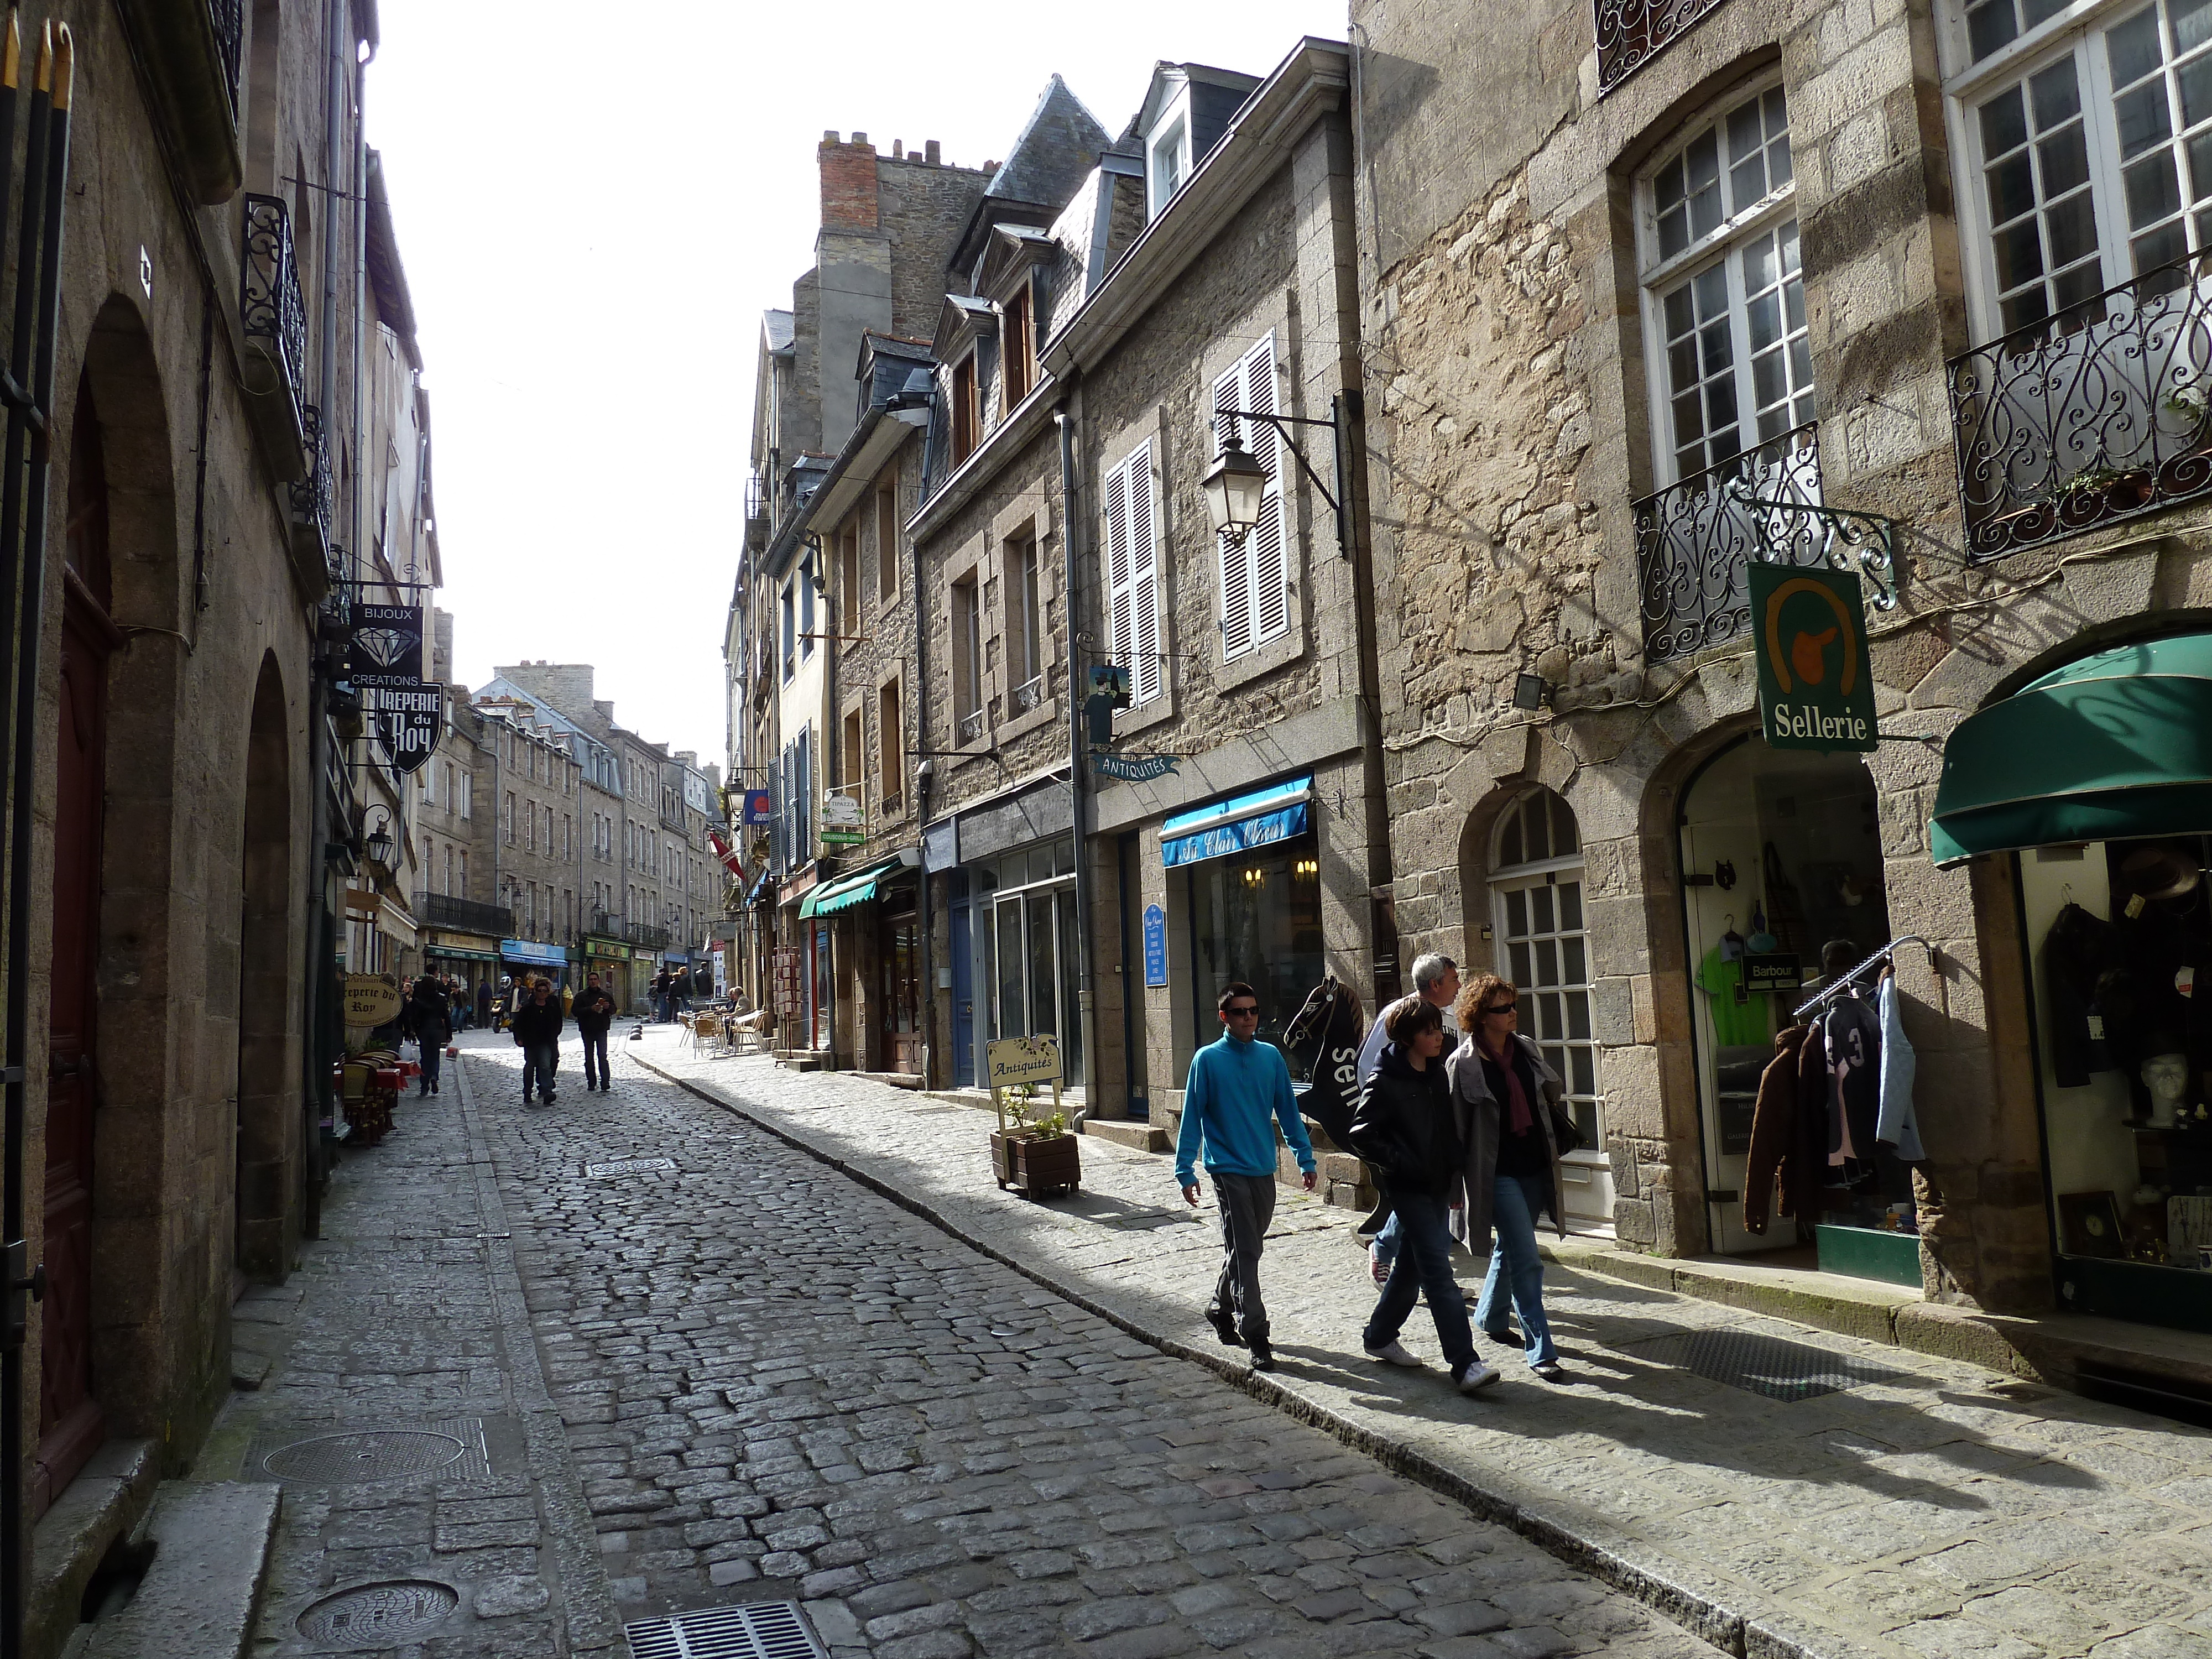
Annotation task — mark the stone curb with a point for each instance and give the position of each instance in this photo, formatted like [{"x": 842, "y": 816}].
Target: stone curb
[{"x": 1732, "y": 1632}]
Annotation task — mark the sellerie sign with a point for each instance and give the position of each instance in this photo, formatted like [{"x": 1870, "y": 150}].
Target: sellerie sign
[
  {"x": 385, "y": 664},
  {"x": 1809, "y": 630}
]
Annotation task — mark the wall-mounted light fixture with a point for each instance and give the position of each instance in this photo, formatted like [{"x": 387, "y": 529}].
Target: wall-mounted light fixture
[{"x": 1529, "y": 691}]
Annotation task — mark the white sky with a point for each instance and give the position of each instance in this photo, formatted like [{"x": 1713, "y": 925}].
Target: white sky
[{"x": 595, "y": 205}]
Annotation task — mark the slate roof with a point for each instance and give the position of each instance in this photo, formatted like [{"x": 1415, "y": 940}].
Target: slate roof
[{"x": 1058, "y": 147}]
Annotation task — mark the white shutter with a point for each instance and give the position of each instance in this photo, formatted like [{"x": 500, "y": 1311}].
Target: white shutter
[
  {"x": 1144, "y": 580},
  {"x": 1271, "y": 610},
  {"x": 1235, "y": 558},
  {"x": 1117, "y": 567}
]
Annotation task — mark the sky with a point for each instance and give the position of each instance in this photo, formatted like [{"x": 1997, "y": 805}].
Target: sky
[{"x": 595, "y": 209}]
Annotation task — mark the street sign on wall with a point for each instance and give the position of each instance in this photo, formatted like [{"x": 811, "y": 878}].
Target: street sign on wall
[{"x": 1808, "y": 633}]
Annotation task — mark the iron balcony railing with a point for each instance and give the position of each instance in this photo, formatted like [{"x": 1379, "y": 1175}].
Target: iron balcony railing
[
  {"x": 463, "y": 914},
  {"x": 269, "y": 307},
  {"x": 1695, "y": 541},
  {"x": 1029, "y": 694},
  {"x": 311, "y": 495},
  {"x": 647, "y": 936},
  {"x": 2100, "y": 412},
  {"x": 1632, "y": 33},
  {"x": 229, "y": 18},
  {"x": 970, "y": 728}
]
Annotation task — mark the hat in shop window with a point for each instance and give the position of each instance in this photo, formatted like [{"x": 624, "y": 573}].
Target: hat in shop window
[{"x": 2160, "y": 873}]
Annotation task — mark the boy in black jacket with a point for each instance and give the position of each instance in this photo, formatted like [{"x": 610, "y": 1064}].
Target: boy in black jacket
[{"x": 537, "y": 1026}]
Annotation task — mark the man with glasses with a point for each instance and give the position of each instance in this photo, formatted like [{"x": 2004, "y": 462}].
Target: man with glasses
[{"x": 1238, "y": 1088}]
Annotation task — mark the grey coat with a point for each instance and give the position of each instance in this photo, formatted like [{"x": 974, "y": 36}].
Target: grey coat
[{"x": 1478, "y": 1112}]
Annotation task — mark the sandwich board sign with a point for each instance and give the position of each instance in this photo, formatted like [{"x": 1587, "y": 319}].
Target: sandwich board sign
[{"x": 1013, "y": 1062}]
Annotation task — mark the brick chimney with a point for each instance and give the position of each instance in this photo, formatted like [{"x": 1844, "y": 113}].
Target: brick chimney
[{"x": 848, "y": 183}]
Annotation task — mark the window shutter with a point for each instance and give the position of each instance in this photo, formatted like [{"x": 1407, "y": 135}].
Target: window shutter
[
  {"x": 1143, "y": 578},
  {"x": 1235, "y": 558},
  {"x": 1119, "y": 646},
  {"x": 1271, "y": 612}
]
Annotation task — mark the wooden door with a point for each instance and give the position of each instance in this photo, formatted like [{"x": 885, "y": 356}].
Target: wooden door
[
  {"x": 901, "y": 958},
  {"x": 71, "y": 1425}
]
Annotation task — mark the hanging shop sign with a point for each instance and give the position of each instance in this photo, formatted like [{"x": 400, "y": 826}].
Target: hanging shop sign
[
  {"x": 370, "y": 999},
  {"x": 1133, "y": 769},
  {"x": 1815, "y": 690},
  {"x": 760, "y": 806},
  {"x": 842, "y": 823},
  {"x": 383, "y": 661}
]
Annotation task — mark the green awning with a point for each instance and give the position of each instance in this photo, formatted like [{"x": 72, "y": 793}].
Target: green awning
[
  {"x": 2117, "y": 744},
  {"x": 846, "y": 891}
]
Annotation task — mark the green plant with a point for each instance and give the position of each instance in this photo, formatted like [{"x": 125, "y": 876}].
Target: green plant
[
  {"x": 1021, "y": 1103},
  {"x": 2189, "y": 402},
  {"x": 2095, "y": 478}
]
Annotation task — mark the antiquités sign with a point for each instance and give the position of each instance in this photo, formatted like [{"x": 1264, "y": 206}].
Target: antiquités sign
[
  {"x": 1136, "y": 771},
  {"x": 1808, "y": 631},
  {"x": 1015, "y": 1060},
  {"x": 383, "y": 661}
]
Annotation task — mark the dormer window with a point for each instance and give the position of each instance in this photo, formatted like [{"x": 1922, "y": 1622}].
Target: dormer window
[
  {"x": 1016, "y": 337},
  {"x": 967, "y": 415},
  {"x": 1170, "y": 162}
]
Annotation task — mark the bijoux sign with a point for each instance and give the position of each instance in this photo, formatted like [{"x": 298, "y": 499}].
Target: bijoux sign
[
  {"x": 1809, "y": 632},
  {"x": 383, "y": 661}
]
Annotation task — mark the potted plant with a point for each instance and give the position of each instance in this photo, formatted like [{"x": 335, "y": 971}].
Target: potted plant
[{"x": 1036, "y": 1156}]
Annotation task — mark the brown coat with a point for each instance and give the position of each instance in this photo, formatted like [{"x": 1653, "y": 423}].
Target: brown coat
[{"x": 1775, "y": 1123}]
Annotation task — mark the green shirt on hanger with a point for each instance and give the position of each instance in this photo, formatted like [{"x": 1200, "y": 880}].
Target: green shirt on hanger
[{"x": 1734, "y": 1022}]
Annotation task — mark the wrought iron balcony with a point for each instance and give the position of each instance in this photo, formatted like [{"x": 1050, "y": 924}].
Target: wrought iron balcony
[
  {"x": 1632, "y": 33},
  {"x": 647, "y": 936},
  {"x": 270, "y": 309},
  {"x": 2099, "y": 413},
  {"x": 970, "y": 728},
  {"x": 229, "y": 18},
  {"x": 1029, "y": 694},
  {"x": 463, "y": 914},
  {"x": 311, "y": 495},
  {"x": 1695, "y": 541}
]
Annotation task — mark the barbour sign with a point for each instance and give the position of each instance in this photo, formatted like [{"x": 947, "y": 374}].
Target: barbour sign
[{"x": 1815, "y": 686}]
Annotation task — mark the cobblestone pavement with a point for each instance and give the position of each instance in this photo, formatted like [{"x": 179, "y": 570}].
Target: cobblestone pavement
[
  {"x": 1914, "y": 1507},
  {"x": 777, "y": 1385},
  {"x": 407, "y": 1317}
]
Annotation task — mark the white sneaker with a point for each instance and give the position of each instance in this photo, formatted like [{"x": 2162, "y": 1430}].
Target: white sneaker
[
  {"x": 1395, "y": 1352},
  {"x": 1477, "y": 1376},
  {"x": 1377, "y": 1268}
]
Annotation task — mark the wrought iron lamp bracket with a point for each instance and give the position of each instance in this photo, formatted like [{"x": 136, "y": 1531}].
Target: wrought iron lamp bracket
[{"x": 1848, "y": 537}]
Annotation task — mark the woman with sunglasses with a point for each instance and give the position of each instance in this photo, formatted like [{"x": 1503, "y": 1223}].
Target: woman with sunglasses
[{"x": 1508, "y": 1105}]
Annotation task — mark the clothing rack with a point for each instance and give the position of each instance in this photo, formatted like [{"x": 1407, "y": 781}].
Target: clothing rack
[{"x": 1842, "y": 983}]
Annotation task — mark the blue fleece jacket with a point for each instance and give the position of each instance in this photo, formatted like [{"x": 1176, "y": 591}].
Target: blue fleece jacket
[{"x": 1235, "y": 1094}]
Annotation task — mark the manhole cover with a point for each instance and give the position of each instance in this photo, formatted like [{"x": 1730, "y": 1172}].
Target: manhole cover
[
  {"x": 1769, "y": 1365},
  {"x": 629, "y": 1166},
  {"x": 371, "y": 1454},
  {"x": 753, "y": 1630},
  {"x": 379, "y": 1614}
]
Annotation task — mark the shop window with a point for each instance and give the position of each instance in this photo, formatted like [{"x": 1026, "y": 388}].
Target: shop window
[
  {"x": 1024, "y": 934},
  {"x": 2120, "y": 936},
  {"x": 1256, "y": 916},
  {"x": 1541, "y": 927}
]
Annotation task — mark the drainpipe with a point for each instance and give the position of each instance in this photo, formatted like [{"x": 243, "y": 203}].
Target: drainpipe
[
  {"x": 925, "y": 775},
  {"x": 1086, "y": 1015}
]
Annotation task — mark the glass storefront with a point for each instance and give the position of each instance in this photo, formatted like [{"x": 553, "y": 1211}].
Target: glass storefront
[
  {"x": 1255, "y": 915},
  {"x": 1782, "y": 868},
  {"x": 1021, "y": 926},
  {"x": 2120, "y": 938}
]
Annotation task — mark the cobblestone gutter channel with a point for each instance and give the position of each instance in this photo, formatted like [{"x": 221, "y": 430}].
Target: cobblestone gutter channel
[{"x": 1909, "y": 1506}]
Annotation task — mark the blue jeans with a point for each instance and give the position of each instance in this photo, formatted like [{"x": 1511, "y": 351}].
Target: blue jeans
[
  {"x": 433, "y": 1055},
  {"x": 1388, "y": 1240},
  {"x": 539, "y": 1061},
  {"x": 1423, "y": 1267},
  {"x": 1516, "y": 1269}
]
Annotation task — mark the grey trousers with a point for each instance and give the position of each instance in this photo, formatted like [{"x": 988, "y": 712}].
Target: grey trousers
[{"x": 1248, "y": 1205}]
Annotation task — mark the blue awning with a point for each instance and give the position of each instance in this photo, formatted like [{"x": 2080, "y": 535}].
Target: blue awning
[{"x": 1225, "y": 828}]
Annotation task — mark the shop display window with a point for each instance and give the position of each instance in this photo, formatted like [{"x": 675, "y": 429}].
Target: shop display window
[
  {"x": 2120, "y": 934},
  {"x": 1256, "y": 916}
]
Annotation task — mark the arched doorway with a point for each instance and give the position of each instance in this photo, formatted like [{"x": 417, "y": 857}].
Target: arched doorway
[
  {"x": 266, "y": 1222},
  {"x": 1541, "y": 923},
  {"x": 71, "y": 1422}
]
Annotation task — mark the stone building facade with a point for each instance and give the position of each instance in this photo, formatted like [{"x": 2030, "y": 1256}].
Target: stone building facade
[{"x": 1797, "y": 249}]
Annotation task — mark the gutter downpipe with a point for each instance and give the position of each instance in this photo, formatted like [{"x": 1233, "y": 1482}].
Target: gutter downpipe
[
  {"x": 1086, "y": 1013},
  {"x": 925, "y": 773}
]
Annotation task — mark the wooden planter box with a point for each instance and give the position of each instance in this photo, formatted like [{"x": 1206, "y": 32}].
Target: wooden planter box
[{"x": 1035, "y": 1165}]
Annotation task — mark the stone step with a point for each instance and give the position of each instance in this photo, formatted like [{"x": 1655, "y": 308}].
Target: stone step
[
  {"x": 211, "y": 1541},
  {"x": 1125, "y": 1132}
]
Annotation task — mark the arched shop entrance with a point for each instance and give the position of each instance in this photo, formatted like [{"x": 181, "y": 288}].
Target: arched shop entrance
[{"x": 1781, "y": 862}]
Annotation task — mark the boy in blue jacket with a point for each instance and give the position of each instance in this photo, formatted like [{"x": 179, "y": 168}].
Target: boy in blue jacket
[{"x": 1238, "y": 1090}]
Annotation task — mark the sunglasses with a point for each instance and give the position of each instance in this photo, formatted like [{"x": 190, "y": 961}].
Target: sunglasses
[
  {"x": 1243, "y": 1010},
  {"x": 1501, "y": 1007}
]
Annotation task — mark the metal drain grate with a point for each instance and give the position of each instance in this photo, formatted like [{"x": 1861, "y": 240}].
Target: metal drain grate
[
  {"x": 1769, "y": 1365},
  {"x": 379, "y": 1615},
  {"x": 451, "y": 1449},
  {"x": 629, "y": 1166},
  {"x": 753, "y": 1630}
]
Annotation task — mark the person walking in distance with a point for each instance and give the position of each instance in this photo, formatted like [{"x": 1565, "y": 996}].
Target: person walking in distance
[
  {"x": 594, "y": 1012},
  {"x": 537, "y": 1027},
  {"x": 1238, "y": 1088},
  {"x": 1507, "y": 1101},
  {"x": 432, "y": 1028},
  {"x": 484, "y": 1005},
  {"x": 1408, "y": 1133},
  {"x": 1435, "y": 982}
]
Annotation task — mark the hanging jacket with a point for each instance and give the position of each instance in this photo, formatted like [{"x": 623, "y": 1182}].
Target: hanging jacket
[
  {"x": 1897, "y": 1125},
  {"x": 1478, "y": 1113},
  {"x": 2078, "y": 951},
  {"x": 1773, "y": 1127},
  {"x": 1851, "y": 1045},
  {"x": 1405, "y": 1128}
]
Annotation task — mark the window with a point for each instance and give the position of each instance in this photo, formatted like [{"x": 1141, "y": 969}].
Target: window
[
  {"x": 1024, "y": 622},
  {"x": 449, "y": 886},
  {"x": 1255, "y": 582},
  {"x": 968, "y": 658},
  {"x": 1017, "y": 346},
  {"x": 1725, "y": 300},
  {"x": 1170, "y": 163},
  {"x": 848, "y": 617},
  {"x": 530, "y": 826},
  {"x": 890, "y": 736},
  {"x": 468, "y": 792},
  {"x": 567, "y": 837},
  {"x": 887, "y": 534},
  {"x": 429, "y": 851},
  {"x": 510, "y": 817},
  {"x": 967, "y": 417},
  {"x": 531, "y": 912},
  {"x": 807, "y": 579},
  {"x": 849, "y": 762},
  {"x": 1132, "y": 574},
  {"x": 429, "y": 784},
  {"x": 790, "y": 635},
  {"x": 464, "y": 888}
]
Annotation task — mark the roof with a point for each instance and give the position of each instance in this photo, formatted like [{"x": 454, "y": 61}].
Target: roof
[
  {"x": 776, "y": 329},
  {"x": 1057, "y": 147},
  {"x": 387, "y": 277}
]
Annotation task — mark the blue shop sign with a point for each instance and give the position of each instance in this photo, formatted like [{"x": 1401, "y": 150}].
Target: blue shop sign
[
  {"x": 1156, "y": 945},
  {"x": 1225, "y": 828},
  {"x": 524, "y": 950}
]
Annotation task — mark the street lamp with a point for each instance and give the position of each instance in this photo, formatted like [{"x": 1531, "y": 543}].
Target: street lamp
[
  {"x": 379, "y": 844},
  {"x": 1235, "y": 489}
]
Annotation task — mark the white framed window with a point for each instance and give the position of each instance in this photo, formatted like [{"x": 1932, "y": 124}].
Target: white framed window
[
  {"x": 1133, "y": 573},
  {"x": 2086, "y": 142},
  {"x": 1168, "y": 161},
  {"x": 1256, "y": 601},
  {"x": 1724, "y": 295}
]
